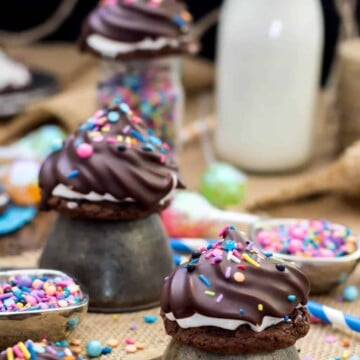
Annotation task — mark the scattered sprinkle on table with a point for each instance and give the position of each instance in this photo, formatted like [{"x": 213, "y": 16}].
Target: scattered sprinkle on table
[
  {"x": 350, "y": 293},
  {"x": 150, "y": 319},
  {"x": 331, "y": 339}
]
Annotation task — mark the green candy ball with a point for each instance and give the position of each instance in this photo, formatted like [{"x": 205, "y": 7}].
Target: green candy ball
[{"x": 223, "y": 185}]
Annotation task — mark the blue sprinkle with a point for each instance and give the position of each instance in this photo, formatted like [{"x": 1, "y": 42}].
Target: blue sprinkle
[
  {"x": 209, "y": 247},
  {"x": 78, "y": 142},
  {"x": 178, "y": 20},
  {"x": 151, "y": 132},
  {"x": 230, "y": 245},
  {"x": 106, "y": 350},
  {"x": 124, "y": 107},
  {"x": 84, "y": 127},
  {"x": 292, "y": 298},
  {"x": 232, "y": 227},
  {"x": 137, "y": 135},
  {"x": 194, "y": 261},
  {"x": 73, "y": 174},
  {"x": 61, "y": 354},
  {"x": 204, "y": 279},
  {"x": 38, "y": 349},
  {"x": 113, "y": 116},
  {"x": 155, "y": 140},
  {"x": 117, "y": 101},
  {"x": 30, "y": 347},
  {"x": 242, "y": 311},
  {"x": 148, "y": 147},
  {"x": 286, "y": 318},
  {"x": 268, "y": 254},
  {"x": 150, "y": 319}
]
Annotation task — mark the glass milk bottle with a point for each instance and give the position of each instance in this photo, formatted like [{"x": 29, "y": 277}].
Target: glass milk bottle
[
  {"x": 269, "y": 55},
  {"x": 151, "y": 87}
]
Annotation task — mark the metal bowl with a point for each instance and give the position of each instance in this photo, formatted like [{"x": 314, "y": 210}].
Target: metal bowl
[
  {"x": 324, "y": 273},
  {"x": 52, "y": 324}
]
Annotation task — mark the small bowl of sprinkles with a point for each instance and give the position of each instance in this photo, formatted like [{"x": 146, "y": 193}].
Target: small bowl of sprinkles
[
  {"x": 326, "y": 251},
  {"x": 37, "y": 304}
]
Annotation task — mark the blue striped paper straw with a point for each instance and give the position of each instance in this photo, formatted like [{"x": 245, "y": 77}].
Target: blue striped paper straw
[
  {"x": 188, "y": 245},
  {"x": 333, "y": 316}
]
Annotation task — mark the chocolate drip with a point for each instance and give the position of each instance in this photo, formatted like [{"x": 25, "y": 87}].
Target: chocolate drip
[
  {"x": 120, "y": 157},
  {"x": 259, "y": 290}
]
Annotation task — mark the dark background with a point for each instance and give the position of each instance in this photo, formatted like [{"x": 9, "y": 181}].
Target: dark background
[{"x": 17, "y": 15}]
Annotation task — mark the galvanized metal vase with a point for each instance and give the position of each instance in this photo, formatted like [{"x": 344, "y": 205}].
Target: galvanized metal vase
[{"x": 121, "y": 264}]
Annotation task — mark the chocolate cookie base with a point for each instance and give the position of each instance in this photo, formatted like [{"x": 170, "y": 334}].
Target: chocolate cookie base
[
  {"x": 242, "y": 340},
  {"x": 102, "y": 210}
]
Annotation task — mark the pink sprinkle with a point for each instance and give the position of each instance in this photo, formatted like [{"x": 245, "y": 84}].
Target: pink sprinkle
[
  {"x": 84, "y": 150},
  {"x": 162, "y": 158},
  {"x": 331, "y": 339},
  {"x": 208, "y": 255},
  {"x": 98, "y": 138},
  {"x": 236, "y": 253},
  {"x": 307, "y": 357},
  {"x": 239, "y": 246},
  {"x": 126, "y": 129},
  {"x": 111, "y": 140},
  {"x": 136, "y": 119},
  {"x": 202, "y": 249},
  {"x": 228, "y": 272},
  {"x": 219, "y": 298},
  {"x": 99, "y": 113},
  {"x": 222, "y": 231},
  {"x": 216, "y": 252},
  {"x": 133, "y": 326},
  {"x": 129, "y": 341}
]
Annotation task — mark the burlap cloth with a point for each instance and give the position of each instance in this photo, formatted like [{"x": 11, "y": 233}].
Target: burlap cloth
[
  {"x": 104, "y": 327},
  {"x": 75, "y": 102}
]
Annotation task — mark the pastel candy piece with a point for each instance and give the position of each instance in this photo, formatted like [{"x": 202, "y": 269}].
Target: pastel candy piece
[
  {"x": 84, "y": 150},
  {"x": 223, "y": 185},
  {"x": 15, "y": 218},
  {"x": 21, "y": 182}
]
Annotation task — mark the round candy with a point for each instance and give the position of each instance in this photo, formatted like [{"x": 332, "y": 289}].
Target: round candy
[
  {"x": 223, "y": 185},
  {"x": 350, "y": 293},
  {"x": 84, "y": 150},
  {"x": 93, "y": 348}
]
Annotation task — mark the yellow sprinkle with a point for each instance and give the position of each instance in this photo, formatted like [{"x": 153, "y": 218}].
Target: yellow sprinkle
[
  {"x": 9, "y": 354},
  {"x": 128, "y": 140},
  {"x": 24, "y": 350},
  {"x": 93, "y": 134},
  {"x": 345, "y": 355},
  {"x": 251, "y": 261},
  {"x": 115, "y": 316},
  {"x": 210, "y": 293},
  {"x": 120, "y": 138},
  {"x": 260, "y": 307},
  {"x": 105, "y": 129}
]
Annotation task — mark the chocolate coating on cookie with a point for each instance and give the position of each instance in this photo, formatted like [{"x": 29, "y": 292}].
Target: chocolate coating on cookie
[
  {"x": 4, "y": 200},
  {"x": 235, "y": 281},
  {"x": 133, "y": 21},
  {"x": 113, "y": 157}
]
